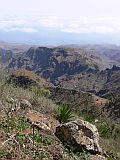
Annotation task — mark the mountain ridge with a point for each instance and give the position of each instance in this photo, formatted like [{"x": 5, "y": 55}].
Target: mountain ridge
[{"x": 69, "y": 68}]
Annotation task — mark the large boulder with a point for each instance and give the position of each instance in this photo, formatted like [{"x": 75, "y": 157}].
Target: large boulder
[{"x": 79, "y": 134}]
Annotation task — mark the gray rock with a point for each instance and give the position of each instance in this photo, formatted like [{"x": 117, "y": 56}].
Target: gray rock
[
  {"x": 79, "y": 134},
  {"x": 25, "y": 104}
]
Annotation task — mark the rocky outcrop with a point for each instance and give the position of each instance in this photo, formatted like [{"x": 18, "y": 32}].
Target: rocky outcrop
[
  {"x": 79, "y": 134},
  {"x": 41, "y": 121},
  {"x": 76, "y": 134},
  {"x": 25, "y": 104},
  {"x": 16, "y": 104}
]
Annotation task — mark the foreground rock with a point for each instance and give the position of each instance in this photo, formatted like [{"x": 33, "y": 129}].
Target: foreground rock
[
  {"x": 42, "y": 121},
  {"x": 79, "y": 134}
]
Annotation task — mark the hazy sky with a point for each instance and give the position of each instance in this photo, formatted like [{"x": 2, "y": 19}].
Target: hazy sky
[
  {"x": 64, "y": 16},
  {"x": 70, "y": 8}
]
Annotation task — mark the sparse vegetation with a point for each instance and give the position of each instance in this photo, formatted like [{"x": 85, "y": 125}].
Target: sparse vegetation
[
  {"x": 21, "y": 140},
  {"x": 27, "y": 140},
  {"x": 40, "y": 92},
  {"x": 88, "y": 117},
  {"x": 75, "y": 156},
  {"x": 114, "y": 106}
]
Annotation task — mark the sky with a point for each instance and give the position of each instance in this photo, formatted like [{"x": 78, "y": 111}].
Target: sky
[{"x": 60, "y": 21}]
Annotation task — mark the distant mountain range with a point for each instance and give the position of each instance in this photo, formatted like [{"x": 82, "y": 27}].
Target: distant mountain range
[
  {"x": 108, "y": 51},
  {"x": 91, "y": 68}
]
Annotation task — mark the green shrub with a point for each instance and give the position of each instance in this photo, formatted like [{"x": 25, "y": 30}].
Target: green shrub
[
  {"x": 64, "y": 114},
  {"x": 88, "y": 118},
  {"x": 105, "y": 130}
]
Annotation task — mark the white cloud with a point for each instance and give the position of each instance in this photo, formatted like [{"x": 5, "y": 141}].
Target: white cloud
[
  {"x": 23, "y": 29},
  {"x": 101, "y": 25}
]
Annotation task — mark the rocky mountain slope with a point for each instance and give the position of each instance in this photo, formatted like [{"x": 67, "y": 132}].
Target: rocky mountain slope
[
  {"x": 30, "y": 127},
  {"x": 77, "y": 100},
  {"x": 26, "y": 78},
  {"x": 111, "y": 53},
  {"x": 68, "y": 84},
  {"x": 54, "y": 62},
  {"x": 14, "y": 47},
  {"x": 98, "y": 82},
  {"x": 72, "y": 68}
]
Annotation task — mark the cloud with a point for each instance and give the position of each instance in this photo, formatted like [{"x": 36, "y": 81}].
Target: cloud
[
  {"x": 22, "y": 29},
  {"x": 99, "y": 25},
  {"x": 14, "y": 25}
]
